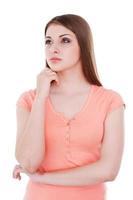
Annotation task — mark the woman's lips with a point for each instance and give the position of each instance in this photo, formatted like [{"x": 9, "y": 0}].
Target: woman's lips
[{"x": 55, "y": 59}]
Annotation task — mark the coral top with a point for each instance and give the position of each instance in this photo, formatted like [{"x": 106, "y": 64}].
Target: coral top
[{"x": 72, "y": 143}]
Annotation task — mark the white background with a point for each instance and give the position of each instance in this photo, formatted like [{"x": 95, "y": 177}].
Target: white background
[{"x": 22, "y": 58}]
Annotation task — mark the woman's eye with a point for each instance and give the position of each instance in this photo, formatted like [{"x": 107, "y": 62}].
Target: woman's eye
[
  {"x": 66, "y": 40},
  {"x": 47, "y": 41}
]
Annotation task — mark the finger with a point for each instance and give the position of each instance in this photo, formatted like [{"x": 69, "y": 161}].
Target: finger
[
  {"x": 19, "y": 177},
  {"x": 17, "y": 166},
  {"x": 57, "y": 80},
  {"x": 14, "y": 174},
  {"x": 20, "y": 170},
  {"x": 50, "y": 72}
]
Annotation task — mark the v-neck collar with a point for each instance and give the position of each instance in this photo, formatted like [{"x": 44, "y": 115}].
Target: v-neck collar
[{"x": 83, "y": 108}]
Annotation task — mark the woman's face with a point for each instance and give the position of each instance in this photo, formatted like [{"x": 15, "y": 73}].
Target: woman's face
[{"x": 62, "y": 43}]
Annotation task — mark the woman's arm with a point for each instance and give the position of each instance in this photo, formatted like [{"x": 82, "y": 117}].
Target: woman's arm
[
  {"x": 105, "y": 169},
  {"x": 30, "y": 147}
]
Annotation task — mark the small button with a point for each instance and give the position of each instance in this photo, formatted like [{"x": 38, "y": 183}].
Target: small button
[{"x": 68, "y": 122}]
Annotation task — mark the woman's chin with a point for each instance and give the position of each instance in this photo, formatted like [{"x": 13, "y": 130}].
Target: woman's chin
[{"x": 56, "y": 68}]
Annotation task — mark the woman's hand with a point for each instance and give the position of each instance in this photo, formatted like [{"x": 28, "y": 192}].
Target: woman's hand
[
  {"x": 44, "y": 79},
  {"x": 36, "y": 177},
  {"x": 16, "y": 172}
]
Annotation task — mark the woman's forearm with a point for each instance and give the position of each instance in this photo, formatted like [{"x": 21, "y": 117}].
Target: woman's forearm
[
  {"x": 30, "y": 148},
  {"x": 95, "y": 173}
]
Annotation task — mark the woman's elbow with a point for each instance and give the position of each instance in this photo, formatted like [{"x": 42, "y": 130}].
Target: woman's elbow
[
  {"x": 28, "y": 166},
  {"x": 111, "y": 175},
  {"x": 32, "y": 168}
]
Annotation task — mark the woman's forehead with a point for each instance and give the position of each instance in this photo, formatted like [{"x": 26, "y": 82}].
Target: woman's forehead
[{"x": 58, "y": 30}]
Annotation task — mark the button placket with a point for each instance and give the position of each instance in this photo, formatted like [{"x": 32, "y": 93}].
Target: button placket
[{"x": 67, "y": 137}]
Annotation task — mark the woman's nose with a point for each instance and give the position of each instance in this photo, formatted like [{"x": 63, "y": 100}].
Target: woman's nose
[{"x": 54, "y": 48}]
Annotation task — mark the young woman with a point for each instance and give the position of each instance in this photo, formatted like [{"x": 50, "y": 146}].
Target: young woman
[{"x": 70, "y": 129}]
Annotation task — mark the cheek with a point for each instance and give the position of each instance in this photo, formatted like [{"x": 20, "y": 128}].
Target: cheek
[
  {"x": 46, "y": 53},
  {"x": 73, "y": 53}
]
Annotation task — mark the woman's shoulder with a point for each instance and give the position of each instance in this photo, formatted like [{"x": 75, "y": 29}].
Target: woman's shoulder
[
  {"x": 26, "y": 98},
  {"x": 111, "y": 97},
  {"x": 103, "y": 90}
]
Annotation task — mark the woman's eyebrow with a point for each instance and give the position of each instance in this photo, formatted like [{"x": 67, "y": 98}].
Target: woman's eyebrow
[{"x": 59, "y": 35}]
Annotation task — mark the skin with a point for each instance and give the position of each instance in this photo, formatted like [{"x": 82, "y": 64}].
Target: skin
[{"x": 69, "y": 71}]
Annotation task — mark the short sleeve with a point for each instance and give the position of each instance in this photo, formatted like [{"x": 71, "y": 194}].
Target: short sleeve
[
  {"x": 116, "y": 101},
  {"x": 26, "y": 99}
]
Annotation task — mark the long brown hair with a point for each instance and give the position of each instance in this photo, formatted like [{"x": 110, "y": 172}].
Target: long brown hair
[{"x": 82, "y": 30}]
